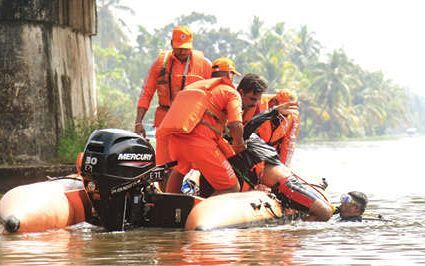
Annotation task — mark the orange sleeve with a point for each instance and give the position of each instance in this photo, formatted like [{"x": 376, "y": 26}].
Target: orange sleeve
[
  {"x": 149, "y": 87},
  {"x": 234, "y": 105}
]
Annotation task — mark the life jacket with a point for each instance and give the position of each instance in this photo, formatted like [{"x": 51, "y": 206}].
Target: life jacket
[
  {"x": 166, "y": 90},
  {"x": 189, "y": 107},
  {"x": 167, "y": 87},
  {"x": 283, "y": 137},
  {"x": 249, "y": 114}
]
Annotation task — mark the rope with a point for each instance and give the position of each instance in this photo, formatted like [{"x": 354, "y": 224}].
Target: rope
[
  {"x": 268, "y": 206},
  {"x": 312, "y": 186}
]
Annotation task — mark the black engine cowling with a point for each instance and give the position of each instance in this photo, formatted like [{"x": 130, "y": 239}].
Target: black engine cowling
[{"x": 113, "y": 157}]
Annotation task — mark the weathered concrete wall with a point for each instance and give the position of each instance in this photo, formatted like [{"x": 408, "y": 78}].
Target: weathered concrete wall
[{"x": 46, "y": 74}]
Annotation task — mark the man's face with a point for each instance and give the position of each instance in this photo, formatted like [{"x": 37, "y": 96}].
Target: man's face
[
  {"x": 348, "y": 210},
  {"x": 181, "y": 53},
  {"x": 250, "y": 99},
  {"x": 349, "y": 207}
]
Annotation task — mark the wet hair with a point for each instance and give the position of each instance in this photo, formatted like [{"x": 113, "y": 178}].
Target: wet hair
[
  {"x": 253, "y": 82},
  {"x": 360, "y": 198}
]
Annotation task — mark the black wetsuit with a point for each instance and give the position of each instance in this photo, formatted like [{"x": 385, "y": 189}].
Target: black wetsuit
[
  {"x": 257, "y": 149},
  {"x": 251, "y": 126},
  {"x": 347, "y": 219},
  {"x": 350, "y": 219},
  {"x": 292, "y": 192}
]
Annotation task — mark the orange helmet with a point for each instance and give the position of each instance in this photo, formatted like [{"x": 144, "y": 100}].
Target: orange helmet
[
  {"x": 224, "y": 64},
  {"x": 182, "y": 37},
  {"x": 285, "y": 95}
]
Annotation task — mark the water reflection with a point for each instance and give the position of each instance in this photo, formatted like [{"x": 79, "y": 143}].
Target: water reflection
[
  {"x": 56, "y": 247},
  {"x": 236, "y": 246}
]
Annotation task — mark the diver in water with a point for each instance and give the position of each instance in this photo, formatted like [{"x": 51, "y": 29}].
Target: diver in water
[{"x": 352, "y": 206}]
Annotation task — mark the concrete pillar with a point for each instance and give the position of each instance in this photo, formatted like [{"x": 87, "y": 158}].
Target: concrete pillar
[{"x": 46, "y": 74}]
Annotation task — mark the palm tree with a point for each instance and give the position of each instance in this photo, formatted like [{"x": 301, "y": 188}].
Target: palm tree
[
  {"x": 222, "y": 42},
  {"x": 369, "y": 99},
  {"x": 396, "y": 107},
  {"x": 268, "y": 55},
  {"x": 110, "y": 28},
  {"x": 331, "y": 90},
  {"x": 307, "y": 49},
  {"x": 417, "y": 111},
  {"x": 255, "y": 29}
]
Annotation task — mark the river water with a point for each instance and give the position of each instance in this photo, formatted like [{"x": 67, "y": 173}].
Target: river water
[{"x": 389, "y": 172}]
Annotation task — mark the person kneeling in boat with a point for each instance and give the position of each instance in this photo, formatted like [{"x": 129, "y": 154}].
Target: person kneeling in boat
[
  {"x": 260, "y": 164},
  {"x": 352, "y": 206},
  {"x": 194, "y": 125}
]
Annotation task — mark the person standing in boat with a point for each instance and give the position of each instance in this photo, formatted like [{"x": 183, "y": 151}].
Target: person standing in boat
[
  {"x": 169, "y": 74},
  {"x": 193, "y": 133}
]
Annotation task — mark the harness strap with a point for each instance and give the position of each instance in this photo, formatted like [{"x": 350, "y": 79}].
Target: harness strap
[
  {"x": 164, "y": 106},
  {"x": 203, "y": 122},
  {"x": 216, "y": 118},
  {"x": 208, "y": 112},
  {"x": 186, "y": 70},
  {"x": 170, "y": 92},
  {"x": 164, "y": 64}
]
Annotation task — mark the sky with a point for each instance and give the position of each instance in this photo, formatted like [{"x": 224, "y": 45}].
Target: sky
[{"x": 377, "y": 34}]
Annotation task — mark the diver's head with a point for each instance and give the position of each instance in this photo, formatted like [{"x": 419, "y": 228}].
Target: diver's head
[{"x": 353, "y": 204}]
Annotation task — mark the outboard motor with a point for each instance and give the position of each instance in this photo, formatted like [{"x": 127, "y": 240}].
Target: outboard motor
[{"x": 114, "y": 160}]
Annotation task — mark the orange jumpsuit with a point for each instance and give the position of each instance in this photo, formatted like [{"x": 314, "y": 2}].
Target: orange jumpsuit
[
  {"x": 198, "y": 149},
  {"x": 167, "y": 77}
]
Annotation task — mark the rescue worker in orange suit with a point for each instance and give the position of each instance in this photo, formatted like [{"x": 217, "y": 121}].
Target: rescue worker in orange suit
[
  {"x": 261, "y": 164},
  {"x": 198, "y": 149},
  {"x": 280, "y": 131},
  {"x": 169, "y": 74}
]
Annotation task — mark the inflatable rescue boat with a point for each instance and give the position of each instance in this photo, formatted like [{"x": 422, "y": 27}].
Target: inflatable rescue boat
[
  {"x": 243, "y": 209},
  {"x": 119, "y": 171},
  {"x": 45, "y": 205},
  {"x": 118, "y": 174}
]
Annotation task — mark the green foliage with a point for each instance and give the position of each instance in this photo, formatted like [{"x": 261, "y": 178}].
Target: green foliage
[
  {"x": 114, "y": 91},
  {"x": 73, "y": 139},
  {"x": 111, "y": 30},
  {"x": 338, "y": 99}
]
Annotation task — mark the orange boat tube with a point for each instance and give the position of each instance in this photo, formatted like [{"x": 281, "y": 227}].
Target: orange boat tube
[
  {"x": 45, "y": 205},
  {"x": 240, "y": 209}
]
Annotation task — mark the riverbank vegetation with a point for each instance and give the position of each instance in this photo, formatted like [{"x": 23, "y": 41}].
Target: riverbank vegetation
[
  {"x": 338, "y": 98},
  {"x": 74, "y": 138}
]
